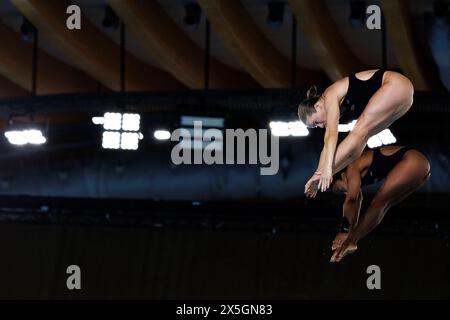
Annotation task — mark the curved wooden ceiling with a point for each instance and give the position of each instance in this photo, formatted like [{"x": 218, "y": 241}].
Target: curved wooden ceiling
[{"x": 165, "y": 54}]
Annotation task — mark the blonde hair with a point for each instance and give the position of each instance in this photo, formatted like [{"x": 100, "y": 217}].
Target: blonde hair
[{"x": 306, "y": 107}]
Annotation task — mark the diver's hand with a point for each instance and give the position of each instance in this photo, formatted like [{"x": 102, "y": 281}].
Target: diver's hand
[
  {"x": 325, "y": 180},
  {"x": 311, "y": 187}
]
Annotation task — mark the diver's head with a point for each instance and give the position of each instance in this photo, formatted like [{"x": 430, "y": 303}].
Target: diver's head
[
  {"x": 340, "y": 183},
  {"x": 311, "y": 110}
]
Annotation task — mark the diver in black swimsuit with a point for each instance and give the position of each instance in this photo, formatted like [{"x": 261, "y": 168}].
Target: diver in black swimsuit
[
  {"x": 375, "y": 98},
  {"x": 358, "y": 96},
  {"x": 402, "y": 171}
]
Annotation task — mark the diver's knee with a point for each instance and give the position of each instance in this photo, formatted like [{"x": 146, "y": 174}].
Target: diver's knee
[
  {"x": 360, "y": 135},
  {"x": 357, "y": 146}
]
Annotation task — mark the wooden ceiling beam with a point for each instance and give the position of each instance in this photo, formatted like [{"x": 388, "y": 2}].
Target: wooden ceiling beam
[
  {"x": 92, "y": 51},
  {"x": 9, "y": 89},
  {"x": 323, "y": 37},
  {"x": 262, "y": 60},
  {"x": 177, "y": 53},
  {"x": 53, "y": 76},
  {"x": 401, "y": 34}
]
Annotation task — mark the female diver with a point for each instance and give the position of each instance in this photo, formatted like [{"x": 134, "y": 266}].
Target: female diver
[
  {"x": 403, "y": 170},
  {"x": 376, "y": 98}
]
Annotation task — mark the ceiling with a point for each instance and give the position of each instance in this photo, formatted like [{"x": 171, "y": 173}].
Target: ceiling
[{"x": 364, "y": 44}]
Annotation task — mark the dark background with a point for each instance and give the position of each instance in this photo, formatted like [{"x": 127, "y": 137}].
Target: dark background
[{"x": 199, "y": 264}]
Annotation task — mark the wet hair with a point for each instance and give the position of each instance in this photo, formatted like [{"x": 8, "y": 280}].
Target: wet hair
[{"x": 306, "y": 107}]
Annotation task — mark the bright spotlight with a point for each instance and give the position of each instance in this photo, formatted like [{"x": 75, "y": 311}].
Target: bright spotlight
[
  {"x": 347, "y": 127},
  {"x": 298, "y": 129},
  {"x": 98, "y": 120},
  {"x": 22, "y": 137},
  {"x": 129, "y": 141},
  {"x": 111, "y": 140},
  {"x": 374, "y": 142},
  {"x": 285, "y": 129},
  {"x": 113, "y": 121},
  {"x": 279, "y": 128},
  {"x": 16, "y": 137},
  {"x": 131, "y": 122},
  {"x": 34, "y": 136},
  {"x": 385, "y": 137},
  {"x": 121, "y": 130},
  {"x": 161, "y": 135}
]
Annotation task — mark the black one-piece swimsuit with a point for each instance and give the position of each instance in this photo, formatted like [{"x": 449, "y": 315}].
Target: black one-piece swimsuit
[
  {"x": 358, "y": 95},
  {"x": 381, "y": 165}
]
